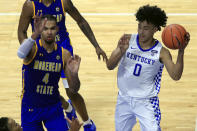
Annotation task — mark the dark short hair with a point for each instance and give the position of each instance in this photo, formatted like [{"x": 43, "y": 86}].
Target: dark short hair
[
  {"x": 49, "y": 17},
  {"x": 4, "y": 124},
  {"x": 153, "y": 15}
]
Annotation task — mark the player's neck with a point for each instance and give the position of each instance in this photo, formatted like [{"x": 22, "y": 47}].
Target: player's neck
[
  {"x": 49, "y": 47},
  {"x": 147, "y": 44},
  {"x": 47, "y": 2}
]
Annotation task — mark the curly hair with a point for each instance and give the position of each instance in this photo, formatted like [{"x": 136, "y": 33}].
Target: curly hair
[
  {"x": 4, "y": 124},
  {"x": 153, "y": 15}
]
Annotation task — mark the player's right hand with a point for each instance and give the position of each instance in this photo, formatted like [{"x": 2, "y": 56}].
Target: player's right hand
[{"x": 100, "y": 53}]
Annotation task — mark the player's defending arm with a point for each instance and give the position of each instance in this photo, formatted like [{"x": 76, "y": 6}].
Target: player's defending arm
[
  {"x": 84, "y": 26},
  {"x": 71, "y": 68},
  {"x": 28, "y": 47},
  {"x": 117, "y": 54},
  {"x": 174, "y": 70},
  {"x": 25, "y": 18}
]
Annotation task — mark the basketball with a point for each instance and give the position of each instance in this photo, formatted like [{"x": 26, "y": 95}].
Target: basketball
[{"x": 169, "y": 33}]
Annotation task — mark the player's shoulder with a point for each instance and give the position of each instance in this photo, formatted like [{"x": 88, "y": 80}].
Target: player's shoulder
[
  {"x": 28, "y": 6},
  {"x": 67, "y": 4},
  {"x": 65, "y": 53},
  {"x": 28, "y": 2},
  {"x": 164, "y": 53},
  {"x": 164, "y": 50}
]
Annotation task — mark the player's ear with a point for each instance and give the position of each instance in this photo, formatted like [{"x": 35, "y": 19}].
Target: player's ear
[{"x": 155, "y": 29}]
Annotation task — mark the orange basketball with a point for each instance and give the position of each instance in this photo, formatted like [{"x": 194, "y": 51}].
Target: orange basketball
[{"x": 169, "y": 33}]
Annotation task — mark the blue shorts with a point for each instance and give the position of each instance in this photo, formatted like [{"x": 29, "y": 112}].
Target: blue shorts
[
  {"x": 66, "y": 44},
  {"x": 52, "y": 117}
]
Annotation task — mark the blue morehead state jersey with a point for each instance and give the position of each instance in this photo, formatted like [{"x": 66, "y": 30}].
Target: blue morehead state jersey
[{"x": 40, "y": 77}]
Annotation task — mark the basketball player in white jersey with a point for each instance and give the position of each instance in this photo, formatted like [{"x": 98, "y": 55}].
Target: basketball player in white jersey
[{"x": 141, "y": 59}]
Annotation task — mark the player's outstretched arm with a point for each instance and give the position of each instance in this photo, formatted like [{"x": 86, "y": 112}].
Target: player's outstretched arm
[
  {"x": 175, "y": 70},
  {"x": 117, "y": 54},
  {"x": 84, "y": 26},
  {"x": 24, "y": 21},
  {"x": 71, "y": 68},
  {"x": 64, "y": 102},
  {"x": 28, "y": 47}
]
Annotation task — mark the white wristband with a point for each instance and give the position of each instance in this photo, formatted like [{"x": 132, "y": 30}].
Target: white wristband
[
  {"x": 25, "y": 48},
  {"x": 65, "y": 83}
]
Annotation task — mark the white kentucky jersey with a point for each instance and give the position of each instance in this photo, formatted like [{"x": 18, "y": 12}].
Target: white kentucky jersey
[{"x": 140, "y": 71}]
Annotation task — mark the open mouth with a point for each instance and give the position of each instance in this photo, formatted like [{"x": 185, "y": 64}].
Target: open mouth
[{"x": 49, "y": 38}]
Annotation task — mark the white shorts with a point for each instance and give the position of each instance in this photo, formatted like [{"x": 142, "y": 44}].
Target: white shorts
[{"x": 145, "y": 110}]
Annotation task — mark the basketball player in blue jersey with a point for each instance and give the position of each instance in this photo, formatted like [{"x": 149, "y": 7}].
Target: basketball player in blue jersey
[
  {"x": 43, "y": 61},
  {"x": 9, "y": 124},
  {"x": 58, "y": 8},
  {"x": 141, "y": 59}
]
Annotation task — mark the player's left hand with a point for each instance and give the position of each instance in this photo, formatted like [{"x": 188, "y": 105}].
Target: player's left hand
[
  {"x": 100, "y": 52},
  {"x": 182, "y": 46},
  {"x": 73, "y": 64},
  {"x": 75, "y": 125},
  {"x": 123, "y": 43},
  {"x": 39, "y": 24}
]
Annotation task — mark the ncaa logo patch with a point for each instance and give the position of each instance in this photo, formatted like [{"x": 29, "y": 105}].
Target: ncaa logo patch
[
  {"x": 57, "y": 57},
  {"x": 154, "y": 52}
]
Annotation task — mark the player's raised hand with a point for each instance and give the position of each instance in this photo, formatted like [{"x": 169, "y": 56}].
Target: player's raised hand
[
  {"x": 39, "y": 24},
  {"x": 73, "y": 64},
  {"x": 100, "y": 53},
  {"x": 123, "y": 43},
  {"x": 182, "y": 46}
]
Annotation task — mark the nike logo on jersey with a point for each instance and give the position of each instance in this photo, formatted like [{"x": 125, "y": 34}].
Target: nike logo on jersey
[{"x": 133, "y": 48}]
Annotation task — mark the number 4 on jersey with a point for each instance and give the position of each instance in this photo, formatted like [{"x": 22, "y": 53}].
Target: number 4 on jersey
[{"x": 46, "y": 78}]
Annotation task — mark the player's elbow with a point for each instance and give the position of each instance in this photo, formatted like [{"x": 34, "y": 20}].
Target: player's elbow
[
  {"x": 22, "y": 34},
  {"x": 82, "y": 22},
  {"x": 109, "y": 65},
  {"x": 176, "y": 77},
  {"x": 20, "y": 54},
  {"x": 74, "y": 91},
  {"x": 75, "y": 88}
]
